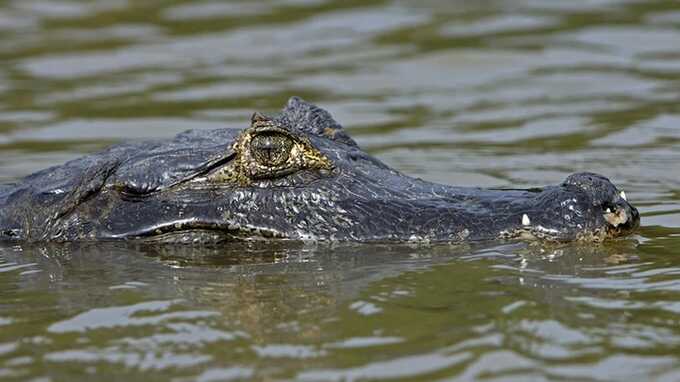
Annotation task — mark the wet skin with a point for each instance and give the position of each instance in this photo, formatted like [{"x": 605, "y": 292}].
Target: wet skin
[{"x": 295, "y": 176}]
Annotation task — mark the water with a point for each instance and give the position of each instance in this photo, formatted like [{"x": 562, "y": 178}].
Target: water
[{"x": 493, "y": 93}]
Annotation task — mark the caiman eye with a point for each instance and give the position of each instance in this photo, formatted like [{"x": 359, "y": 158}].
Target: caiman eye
[
  {"x": 271, "y": 149},
  {"x": 268, "y": 152}
]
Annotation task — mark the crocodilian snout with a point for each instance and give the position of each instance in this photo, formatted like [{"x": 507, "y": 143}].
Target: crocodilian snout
[
  {"x": 618, "y": 216},
  {"x": 621, "y": 217}
]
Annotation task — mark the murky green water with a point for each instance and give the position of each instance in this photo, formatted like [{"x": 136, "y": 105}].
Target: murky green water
[{"x": 490, "y": 93}]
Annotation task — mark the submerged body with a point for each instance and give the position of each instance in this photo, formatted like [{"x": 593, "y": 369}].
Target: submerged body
[{"x": 296, "y": 176}]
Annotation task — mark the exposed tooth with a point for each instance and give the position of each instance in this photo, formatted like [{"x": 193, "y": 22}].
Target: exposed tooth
[
  {"x": 623, "y": 195},
  {"x": 609, "y": 211},
  {"x": 525, "y": 220}
]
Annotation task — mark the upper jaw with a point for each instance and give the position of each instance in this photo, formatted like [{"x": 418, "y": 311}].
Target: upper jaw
[
  {"x": 617, "y": 215},
  {"x": 590, "y": 209}
]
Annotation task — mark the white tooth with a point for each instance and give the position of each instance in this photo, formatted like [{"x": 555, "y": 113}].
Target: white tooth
[
  {"x": 623, "y": 195},
  {"x": 608, "y": 211},
  {"x": 525, "y": 220}
]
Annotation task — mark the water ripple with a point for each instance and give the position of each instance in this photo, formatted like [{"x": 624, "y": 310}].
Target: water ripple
[{"x": 502, "y": 94}]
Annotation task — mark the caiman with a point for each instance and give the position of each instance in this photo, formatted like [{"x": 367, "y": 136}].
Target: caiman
[{"x": 294, "y": 176}]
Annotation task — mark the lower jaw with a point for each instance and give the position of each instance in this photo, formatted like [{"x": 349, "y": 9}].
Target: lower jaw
[
  {"x": 208, "y": 236},
  {"x": 192, "y": 237},
  {"x": 614, "y": 232},
  {"x": 533, "y": 233}
]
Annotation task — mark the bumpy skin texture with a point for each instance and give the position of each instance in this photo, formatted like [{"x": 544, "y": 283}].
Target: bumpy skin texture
[{"x": 177, "y": 191}]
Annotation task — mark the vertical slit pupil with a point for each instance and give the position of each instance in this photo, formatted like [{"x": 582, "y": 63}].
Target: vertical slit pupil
[{"x": 271, "y": 149}]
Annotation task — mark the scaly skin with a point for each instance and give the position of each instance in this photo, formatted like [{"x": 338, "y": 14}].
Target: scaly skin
[{"x": 297, "y": 176}]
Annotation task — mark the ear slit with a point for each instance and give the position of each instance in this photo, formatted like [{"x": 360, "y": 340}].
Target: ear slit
[{"x": 136, "y": 191}]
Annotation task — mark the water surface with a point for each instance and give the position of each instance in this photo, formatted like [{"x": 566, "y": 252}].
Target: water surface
[{"x": 494, "y": 93}]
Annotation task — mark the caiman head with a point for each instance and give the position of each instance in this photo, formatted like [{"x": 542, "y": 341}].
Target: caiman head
[{"x": 296, "y": 175}]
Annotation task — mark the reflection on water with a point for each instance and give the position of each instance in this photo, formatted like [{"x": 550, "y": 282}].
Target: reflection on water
[
  {"x": 344, "y": 312},
  {"x": 493, "y": 93}
]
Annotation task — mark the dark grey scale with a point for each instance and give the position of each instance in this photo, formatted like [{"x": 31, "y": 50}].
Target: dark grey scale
[{"x": 162, "y": 191}]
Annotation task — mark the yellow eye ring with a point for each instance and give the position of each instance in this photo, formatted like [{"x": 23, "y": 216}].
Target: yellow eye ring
[{"x": 268, "y": 152}]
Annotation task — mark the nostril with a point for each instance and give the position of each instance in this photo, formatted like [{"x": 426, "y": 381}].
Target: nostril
[{"x": 608, "y": 207}]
